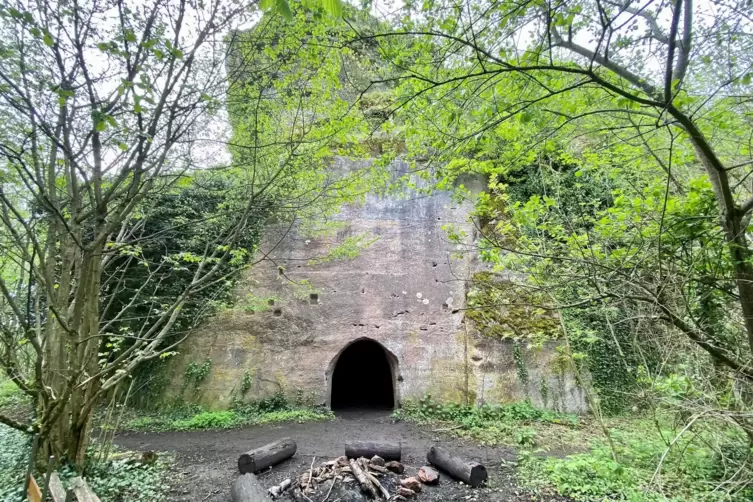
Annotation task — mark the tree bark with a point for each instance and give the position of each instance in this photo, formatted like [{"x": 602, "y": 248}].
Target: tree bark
[
  {"x": 265, "y": 456},
  {"x": 731, "y": 217},
  {"x": 367, "y": 449},
  {"x": 471, "y": 473},
  {"x": 246, "y": 488}
]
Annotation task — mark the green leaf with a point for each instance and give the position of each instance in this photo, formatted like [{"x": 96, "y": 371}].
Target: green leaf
[
  {"x": 48, "y": 40},
  {"x": 104, "y": 47},
  {"x": 333, "y": 7},
  {"x": 284, "y": 9},
  {"x": 746, "y": 79}
]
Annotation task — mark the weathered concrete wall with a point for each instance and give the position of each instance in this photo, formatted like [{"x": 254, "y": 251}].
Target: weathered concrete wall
[{"x": 406, "y": 291}]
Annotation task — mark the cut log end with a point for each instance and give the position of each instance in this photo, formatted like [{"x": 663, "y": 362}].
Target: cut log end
[
  {"x": 471, "y": 473},
  {"x": 478, "y": 476}
]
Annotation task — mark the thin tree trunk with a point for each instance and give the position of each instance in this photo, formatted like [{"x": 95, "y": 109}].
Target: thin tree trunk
[{"x": 731, "y": 219}]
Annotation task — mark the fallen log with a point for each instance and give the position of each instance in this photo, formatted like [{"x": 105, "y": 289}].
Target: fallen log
[
  {"x": 471, "y": 473},
  {"x": 366, "y": 486},
  {"x": 265, "y": 456},
  {"x": 246, "y": 488},
  {"x": 368, "y": 449}
]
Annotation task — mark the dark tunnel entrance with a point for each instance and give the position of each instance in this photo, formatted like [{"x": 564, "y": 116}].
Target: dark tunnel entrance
[{"x": 362, "y": 378}]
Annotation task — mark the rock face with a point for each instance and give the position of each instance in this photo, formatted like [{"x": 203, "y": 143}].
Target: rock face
[{"x": 405, "y": 289}]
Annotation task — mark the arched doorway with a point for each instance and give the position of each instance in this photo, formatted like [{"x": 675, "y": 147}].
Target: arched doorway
[{"x": 362, "y": 376}]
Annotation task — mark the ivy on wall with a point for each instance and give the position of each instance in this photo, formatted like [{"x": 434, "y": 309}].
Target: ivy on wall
[{"x": 501, "y": 310}]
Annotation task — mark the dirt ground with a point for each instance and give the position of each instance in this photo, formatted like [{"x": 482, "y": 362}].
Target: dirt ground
[{"x": 206, "y": 461}]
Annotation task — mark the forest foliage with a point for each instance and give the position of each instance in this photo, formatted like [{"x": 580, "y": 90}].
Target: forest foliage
[{"x": 612, "y": 140}]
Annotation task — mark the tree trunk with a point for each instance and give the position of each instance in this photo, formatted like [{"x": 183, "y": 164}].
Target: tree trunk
[
  {"x": 65, "y": 432},
  {"x": 730, "y": 216}
]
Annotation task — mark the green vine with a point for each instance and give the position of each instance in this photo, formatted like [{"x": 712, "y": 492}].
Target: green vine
[
  {"x": 245, "y": 382},
  {"x": 544, "y": 391},
  {"x": 196, "y": 373},
  {"x": 519, "y": 364}
]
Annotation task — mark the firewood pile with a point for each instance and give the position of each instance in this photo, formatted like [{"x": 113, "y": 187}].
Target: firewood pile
[
  {"x": 361, "y": 474},
  {"x": 349, "y": 479}
]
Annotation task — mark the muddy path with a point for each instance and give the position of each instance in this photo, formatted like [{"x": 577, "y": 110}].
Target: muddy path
[{"x": 206, "y": 461}]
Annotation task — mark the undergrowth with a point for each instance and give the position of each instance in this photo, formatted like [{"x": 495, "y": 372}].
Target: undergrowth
[
  {"x": 112, "y": 481},
  {"x": 517, "y": 423},
  {"x": 272, "y": 409},
  {"x": 14, "y": 456},
  {"x": 694, "y": 468},
  {"x": 709, "y": 462}
]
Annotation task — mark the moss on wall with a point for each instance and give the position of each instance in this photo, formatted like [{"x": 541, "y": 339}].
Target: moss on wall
[{"x": 501, "y": 310}]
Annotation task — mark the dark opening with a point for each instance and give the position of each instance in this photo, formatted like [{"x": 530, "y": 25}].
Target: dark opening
[
  {"x": 362, "y": 378},
  {"x": 313, "y": 299}
]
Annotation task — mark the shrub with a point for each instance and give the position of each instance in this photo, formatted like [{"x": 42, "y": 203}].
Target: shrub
[
  {"x": 113, "y": 481},
  {"x": 486, "y": 424},
  {"x": 208, "y": 420}
]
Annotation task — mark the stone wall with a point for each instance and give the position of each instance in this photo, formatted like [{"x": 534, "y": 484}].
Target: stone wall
[{"x": 406, "y": 290}]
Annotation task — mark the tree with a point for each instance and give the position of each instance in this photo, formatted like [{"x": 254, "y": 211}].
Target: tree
[
  {"x": 673, "y": 76},
  {"x": 101, "y": 103},
  {"x": 117, "y": 231}
]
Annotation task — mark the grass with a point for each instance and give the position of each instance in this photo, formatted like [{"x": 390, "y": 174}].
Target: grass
[
  {"x": 710, "y": 462},
  {"x": 10, "y": 395},
  {"x": 512, "y": 424},
  {"x": 275, "y": 409}
]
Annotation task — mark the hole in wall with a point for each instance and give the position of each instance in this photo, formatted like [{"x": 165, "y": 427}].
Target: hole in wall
[
  {"x": 314, "y": 299},
  {"x": 362, "y": 378},
  {"x": 277, "y": 312},
  {"x": 445, "y": 306}
]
